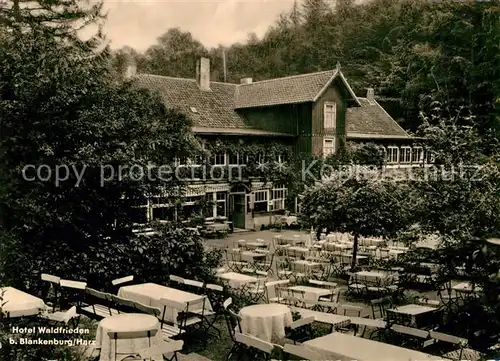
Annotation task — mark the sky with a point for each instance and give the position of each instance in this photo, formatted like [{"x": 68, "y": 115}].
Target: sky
[{"x": 138, "y": 23}]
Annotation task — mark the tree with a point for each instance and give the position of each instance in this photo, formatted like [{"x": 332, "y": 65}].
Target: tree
[
  {"x": 175, "y": 54},
  {"x": 362, "y": 205},
  {"x": 62, "y": 110},
  {"x": 60, "y": 17}
]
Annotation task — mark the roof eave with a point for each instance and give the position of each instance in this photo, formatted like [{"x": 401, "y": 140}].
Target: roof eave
[
  {"x": 329, "y": 82},
  {"x": 238, "y": 131},
  {"x": 378, "y": 136}
]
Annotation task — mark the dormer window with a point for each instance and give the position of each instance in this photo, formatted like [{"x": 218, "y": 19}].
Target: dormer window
[{"x": 193, "y": 109}]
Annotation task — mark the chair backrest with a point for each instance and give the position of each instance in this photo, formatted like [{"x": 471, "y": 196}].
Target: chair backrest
[
  {"x": 193, "y": 283},
  {"x": 352, "y": 308},
  {"x": 213, "y": 287},
  {"x": 302, "y": 322},
  {"x": 448, "y": 338},
  {"x": 123, "y": 303},
  {"x": 227, "y": 303},
  {"x": 98, "y": 294},
  {"x": 153, "y": 311},
  {"x": 73, "y": 284},
  {"x": 410, "y": 331},
  {"x": 121, "y": 280},
  {"x": 50, "y": 278},
  {"x": 303, "y": 352},
  {"x": 165, "y": 347},
  {"x": 254, "y": 342},
  {"x": 177, "y": 279}
]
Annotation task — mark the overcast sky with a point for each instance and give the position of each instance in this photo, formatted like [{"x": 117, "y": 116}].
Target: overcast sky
[{"x": 137, "y": 23}]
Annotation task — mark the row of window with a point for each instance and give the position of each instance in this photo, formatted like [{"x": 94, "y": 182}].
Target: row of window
[
  {"x": 223, "y": 159},
  {"x": 406, "y": 154},
  {"x": 269, "y": 200}
]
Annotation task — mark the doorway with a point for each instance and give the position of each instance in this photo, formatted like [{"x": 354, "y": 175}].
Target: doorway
[{"x": 238, "y": 210}]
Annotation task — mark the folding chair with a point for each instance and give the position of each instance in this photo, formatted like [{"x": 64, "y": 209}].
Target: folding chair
[
  {"x": 264, "y": 349},
  {"x": 63, "y": 317},
  {"x": 54, "y": 287},
  {"x": 462, "y": 353},
  {"x": 233, "y": 322},
  {"x": 415, "y": 336},
  {"x": 302, "y": 323},
  {"x": 129, "y": 335},
  {"x": 176, "y": 281},
  {"x": 164, "y": 348},
  {"x": 194, "y": 286},
  {"x": 279, "y": 288},
  {"x": 355, "y": 286},
  {"x": 121, "y": 282}
]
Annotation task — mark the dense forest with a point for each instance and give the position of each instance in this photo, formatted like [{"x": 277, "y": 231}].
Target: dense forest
[{"x": 413, "y": 52}]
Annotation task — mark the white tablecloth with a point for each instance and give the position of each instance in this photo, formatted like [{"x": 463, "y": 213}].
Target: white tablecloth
[
  {"x": 305, "y": 265},
  {"x": 312, "y": 293},
  {"x": 266, "y": 321},
  {"x": 150, "y": 294},
  {"x": 339, "y": 346},
  {"x": 237, "y": 279},
  {"x": 248, "y": 256},
  {"x": 374, "y": 277},
  {"x": 19, "y": 303},
  {"x": 127, "y": 322}
]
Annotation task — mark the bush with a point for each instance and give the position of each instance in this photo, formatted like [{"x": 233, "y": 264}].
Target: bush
[{"x": 175, "y": 250}]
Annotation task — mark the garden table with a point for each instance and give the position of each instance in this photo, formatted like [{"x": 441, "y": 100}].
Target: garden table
[
  {"x": 335, "y": 246},
  {"x": 412, "y": 315},
  {"x": 466, "y": 287},
  {"x": 237, "y": 279},
  {"x": 248, "y": 256},
  {"x": 306, "y": 264},
  {"x": 266, "y": 321},
  {"x": 217, "y": 227},
  {"x": 312, "y": 293},
  {"x": 150, "y": 294},
  {"x": 375, "y": 277},
  {"x": 19, "y": 303},
  {"x": 339, "y": 346},
  {"x": 254, "y": 245},
  {"x": 127, "y": 322},
  {"x": 299, "y": 249}
]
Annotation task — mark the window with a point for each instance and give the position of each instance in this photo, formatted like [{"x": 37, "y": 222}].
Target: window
[
  {"x": 405, "y": 155},
  {"x": 220, "y": 159},
  {"x": 330, "y": 115},
  {"x": 392, "y": 154},
  {"x": 217, "y": 206},
  {"x": 234, "y": 159},
  {"x": 278, "y": 196},
  {"x": 260, "y": 201},
  {"x": 328, "y": 147},
  {"x": 417, "y": 155}
]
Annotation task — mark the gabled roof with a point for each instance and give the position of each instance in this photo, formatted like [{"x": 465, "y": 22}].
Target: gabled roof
[
  {"x": 371, "y": 121},
  {"x": 214, "y": 109},
  {"x": 288, "y": 90}
]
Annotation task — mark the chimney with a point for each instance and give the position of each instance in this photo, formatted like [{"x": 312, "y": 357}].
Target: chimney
[
  {"x": 370, "y": 95},
  {"x": 246, "y": 81},
  {"x": 203, "y": 74}
]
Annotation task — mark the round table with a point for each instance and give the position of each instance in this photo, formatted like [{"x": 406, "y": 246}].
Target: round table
[
  {"x": 136, "y": 325},
  {"x": 19, "y": 303},
  {"x": 266, "y": 321}
]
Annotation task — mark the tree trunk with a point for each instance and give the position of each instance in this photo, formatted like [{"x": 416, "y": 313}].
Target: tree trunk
[{"x": 355, "y": 251}]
